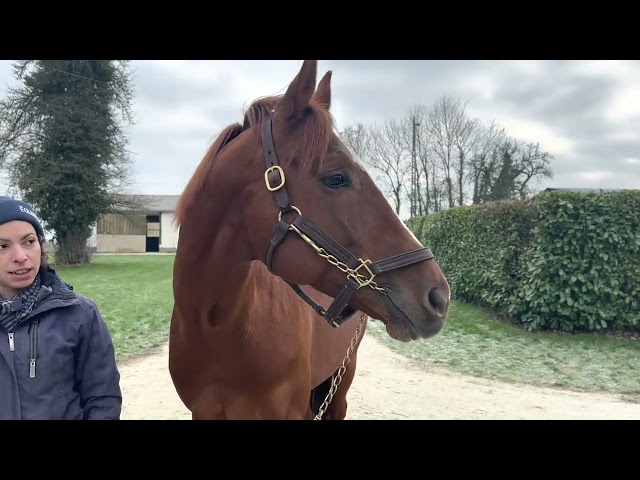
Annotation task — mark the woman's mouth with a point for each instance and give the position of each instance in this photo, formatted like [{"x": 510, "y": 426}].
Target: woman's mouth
[{"x": 21, "y": 273}]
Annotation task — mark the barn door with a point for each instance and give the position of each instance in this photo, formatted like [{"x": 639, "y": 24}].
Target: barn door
[{"x": 153, "y": 233}]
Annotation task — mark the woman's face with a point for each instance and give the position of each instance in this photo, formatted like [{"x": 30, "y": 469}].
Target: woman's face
[{"x": 20, "y": 257}]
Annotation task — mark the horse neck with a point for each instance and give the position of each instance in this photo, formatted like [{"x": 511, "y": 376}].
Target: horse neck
[{"x": 215, "y": 260}]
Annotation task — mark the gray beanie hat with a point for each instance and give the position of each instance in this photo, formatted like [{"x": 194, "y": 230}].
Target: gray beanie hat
[{"x": 11, "y": 209}]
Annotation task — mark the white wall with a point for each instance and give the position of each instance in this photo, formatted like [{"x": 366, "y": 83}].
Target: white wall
[
  {"x": 121, "y": 243},
  {"x": 168, "y": 233}
]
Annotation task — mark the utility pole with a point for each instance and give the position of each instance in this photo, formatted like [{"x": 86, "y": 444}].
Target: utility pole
[{"x": 413, "y": 203}]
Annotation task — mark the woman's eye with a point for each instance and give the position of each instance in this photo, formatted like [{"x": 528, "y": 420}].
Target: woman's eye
[{"x": 337, "y": 180}]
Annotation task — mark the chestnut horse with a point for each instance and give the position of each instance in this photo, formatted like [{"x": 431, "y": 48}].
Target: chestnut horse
[{"x": 270, "y": 287}]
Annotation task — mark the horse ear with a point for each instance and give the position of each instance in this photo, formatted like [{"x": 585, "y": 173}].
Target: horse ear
[
  {"x": 297, "y": 97},
  {"x": 323, "y": 93}
]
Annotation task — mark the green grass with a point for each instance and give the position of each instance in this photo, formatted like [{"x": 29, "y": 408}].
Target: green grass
[
  {"x": 475, "y": 343},
  {"x": 134, "y": 294}
]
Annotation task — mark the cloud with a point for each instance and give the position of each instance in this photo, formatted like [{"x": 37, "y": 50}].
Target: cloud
[{"x": 585, "y": 113}]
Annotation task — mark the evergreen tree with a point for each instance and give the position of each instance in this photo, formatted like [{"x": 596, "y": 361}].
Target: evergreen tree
[{"x": 63, "y": 144}]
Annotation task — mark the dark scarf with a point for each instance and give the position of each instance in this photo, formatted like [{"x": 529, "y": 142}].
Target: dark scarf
[{"x": 16, "y": 309}]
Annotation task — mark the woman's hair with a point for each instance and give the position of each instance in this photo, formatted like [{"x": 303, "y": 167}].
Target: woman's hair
[{"x": 44, "y": 248}]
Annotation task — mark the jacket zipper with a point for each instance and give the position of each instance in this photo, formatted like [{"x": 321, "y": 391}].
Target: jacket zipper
[
  {"x": 12, "y": 347},
  {"x": 33, "y": 348}
]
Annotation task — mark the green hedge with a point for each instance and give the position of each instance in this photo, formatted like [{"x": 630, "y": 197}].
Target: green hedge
[{"x": 564, "y": 261}]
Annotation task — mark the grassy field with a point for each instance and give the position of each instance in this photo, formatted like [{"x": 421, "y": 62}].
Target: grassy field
[
  {"x": 134, "y": 294},
  {"x": 475, "y": 343}
]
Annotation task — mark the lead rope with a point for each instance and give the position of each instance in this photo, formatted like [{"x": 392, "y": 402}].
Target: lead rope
[{"x": 338, "y": 377}]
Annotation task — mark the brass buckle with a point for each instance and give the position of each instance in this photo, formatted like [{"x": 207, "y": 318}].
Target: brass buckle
[
  {"x": 266, "y": 178},
  {"x": 358, "y": 276},
  {"x": 293, "y": 208}
]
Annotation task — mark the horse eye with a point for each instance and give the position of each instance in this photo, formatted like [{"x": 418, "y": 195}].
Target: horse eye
[{"x": 336, "y": 181}]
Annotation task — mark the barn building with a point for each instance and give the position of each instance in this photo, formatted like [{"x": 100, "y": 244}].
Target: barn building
[{"x": 143, "y": 229}]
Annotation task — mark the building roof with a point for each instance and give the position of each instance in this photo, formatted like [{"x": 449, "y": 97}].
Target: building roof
[{"x": 154, "y": 203}]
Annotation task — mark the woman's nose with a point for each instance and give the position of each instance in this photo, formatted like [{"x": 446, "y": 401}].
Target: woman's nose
[{"x": 19, "y": 255}]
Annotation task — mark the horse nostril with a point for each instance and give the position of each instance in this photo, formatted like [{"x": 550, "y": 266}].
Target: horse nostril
[{"x": 438, "y": 300}]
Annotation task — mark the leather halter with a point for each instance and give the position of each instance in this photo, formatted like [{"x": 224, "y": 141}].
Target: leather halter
[{"x": 360, "y": 273}]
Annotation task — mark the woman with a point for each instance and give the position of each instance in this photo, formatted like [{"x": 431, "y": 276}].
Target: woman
[{"x": 57, "y": 358}]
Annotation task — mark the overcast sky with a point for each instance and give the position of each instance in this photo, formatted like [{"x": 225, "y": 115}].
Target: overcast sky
[{"x": 585, "y": 113}]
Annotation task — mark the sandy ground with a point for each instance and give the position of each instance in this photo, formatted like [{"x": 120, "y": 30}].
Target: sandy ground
[{"x": 389, "y": 386}]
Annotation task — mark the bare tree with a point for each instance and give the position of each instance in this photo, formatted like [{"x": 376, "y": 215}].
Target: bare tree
[
  {"x": 482, "y": 159},
  {"x": 417, "y": 140},
  {"x": 503, "y": 167},
  {"x": 438, "y": 195},
  {"x": 532, "y": 164},
  {"x": 465, "y": 136},
  {"x": 388, "y": 157},
  {"x": 448, "y": 128},
  {"x": 416, "y": 157},
  {"x": 357, "y": 139}
]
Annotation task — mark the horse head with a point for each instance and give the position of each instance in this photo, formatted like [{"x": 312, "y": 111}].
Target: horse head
[{"x": 315, "y": 217}]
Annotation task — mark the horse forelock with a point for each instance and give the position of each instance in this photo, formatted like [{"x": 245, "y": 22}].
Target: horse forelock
[
  {"x": 259, "y": 109},
  {"x": 312, "y": 144}
]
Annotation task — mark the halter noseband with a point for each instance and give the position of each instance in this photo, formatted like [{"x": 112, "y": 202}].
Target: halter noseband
[{"x": 360, "y": 273}]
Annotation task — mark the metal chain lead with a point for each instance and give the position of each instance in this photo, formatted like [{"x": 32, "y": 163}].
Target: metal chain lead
[
  {"x": 362, "y": 281},
  {"x": 353, "y": 273},
  {"x": 338, "y": 378}
]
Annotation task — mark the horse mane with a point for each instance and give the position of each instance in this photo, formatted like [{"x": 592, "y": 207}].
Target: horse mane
[
  {"x": 312, "y": 147},
  {"x": 195, "y": 184}
]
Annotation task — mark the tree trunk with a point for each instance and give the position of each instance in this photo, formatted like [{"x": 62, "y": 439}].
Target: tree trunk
[{"x": 72, "y": 249}]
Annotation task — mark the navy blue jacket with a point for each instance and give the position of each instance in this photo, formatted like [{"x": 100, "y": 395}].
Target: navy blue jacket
[{"x": 59, "y": 363}]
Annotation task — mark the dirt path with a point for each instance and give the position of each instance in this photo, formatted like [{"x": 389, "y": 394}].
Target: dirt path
[{"x": 389, "y": 386}]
